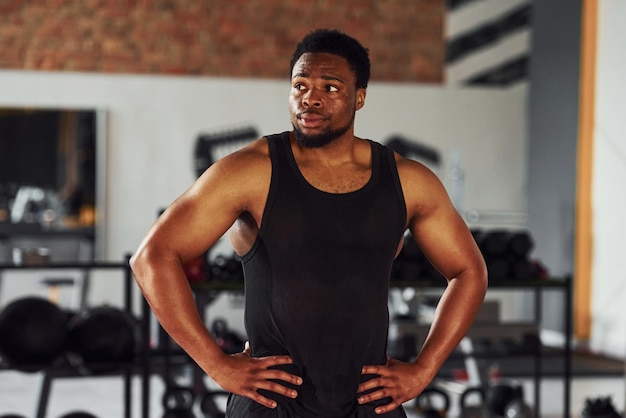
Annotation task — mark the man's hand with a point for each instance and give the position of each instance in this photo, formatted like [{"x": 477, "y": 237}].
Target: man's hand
[
  {"x": 244, "y": 375},
  {"x": 396, "y": 380}
]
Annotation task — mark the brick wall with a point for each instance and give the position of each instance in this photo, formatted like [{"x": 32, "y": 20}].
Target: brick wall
[{"x": 234, "y": 38}]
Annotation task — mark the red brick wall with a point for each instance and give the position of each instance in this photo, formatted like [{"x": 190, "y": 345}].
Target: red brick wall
[{"x": 233, "y": 38}]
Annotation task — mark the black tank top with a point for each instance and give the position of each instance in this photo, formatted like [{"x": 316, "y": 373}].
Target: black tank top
[{"x": 316, "y": 281}]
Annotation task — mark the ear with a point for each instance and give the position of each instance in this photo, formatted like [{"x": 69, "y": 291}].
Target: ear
[{"x": 360, "y": 98}]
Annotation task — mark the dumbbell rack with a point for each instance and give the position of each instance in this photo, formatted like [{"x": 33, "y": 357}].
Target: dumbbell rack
[
  {"x": 67, "y": 372},
  {"x": 537, "y": 286}
]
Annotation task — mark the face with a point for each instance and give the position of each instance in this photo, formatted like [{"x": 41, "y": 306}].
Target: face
[{"x": 323, "y": 99}]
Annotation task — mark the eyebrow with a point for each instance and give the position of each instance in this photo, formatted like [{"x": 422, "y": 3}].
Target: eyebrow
[{"x": 324, "y": 77}]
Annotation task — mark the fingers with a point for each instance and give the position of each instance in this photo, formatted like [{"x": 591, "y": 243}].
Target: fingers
[
  {"x": 251, "y": 376},
  {"x": 387, "y": 384},
  {"x": 253, "y": 393},
  {"x": 386, "y": 408},
  {"x": 277, "y": 374}
]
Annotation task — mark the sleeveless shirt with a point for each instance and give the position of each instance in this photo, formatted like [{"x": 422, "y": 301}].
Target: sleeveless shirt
[{"x": 317, "y": 282}]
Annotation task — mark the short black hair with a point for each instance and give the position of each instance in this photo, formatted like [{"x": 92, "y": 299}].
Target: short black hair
[{"x": 334, "y": 42}]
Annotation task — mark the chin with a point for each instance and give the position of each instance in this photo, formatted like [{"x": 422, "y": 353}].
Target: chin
[{"x": 318, "y": 140}]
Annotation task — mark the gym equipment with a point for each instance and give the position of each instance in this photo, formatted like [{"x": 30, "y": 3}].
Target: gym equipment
[
  {"x": 33, "y": 333},
  {"x": 506, "y": 253},
  {"x": 413, "y": 150},
  {"x": 475, "y": 410},
  {"x": 229, "y": 341},
  {"x": 426, "y": 407},
  {"x": 601, "y": 407},
  {"x": 178, "y": 402},
  {"x": 226, "y": 268},
  {"x": 517, "y": 408},
  {"x": 209, "y": 407},
  {"x": 211, "y": 147},
  {"x": 411, "y": 263},
  {"x": 103, "y": 338},
  {"x": 78, "y": 414},
  {"x": 498, "y": 396},
  {"x": 500, "y": 242}
]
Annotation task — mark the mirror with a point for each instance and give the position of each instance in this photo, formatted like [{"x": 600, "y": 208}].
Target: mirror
[{"x": 49, "y": 193}]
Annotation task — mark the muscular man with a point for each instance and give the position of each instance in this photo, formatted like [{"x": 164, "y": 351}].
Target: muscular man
[{"x": 318, "y": 216}]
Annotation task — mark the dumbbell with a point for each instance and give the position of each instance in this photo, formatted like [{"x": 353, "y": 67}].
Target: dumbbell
[
  {"x": 33, "y": 333},
  {"x": 178, "y": 402},
  {"x": 426, "y": 407},
  {"x": 498, "y": 243}
]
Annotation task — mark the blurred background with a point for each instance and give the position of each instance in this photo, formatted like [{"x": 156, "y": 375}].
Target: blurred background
[{"x": 110, "y": 109}]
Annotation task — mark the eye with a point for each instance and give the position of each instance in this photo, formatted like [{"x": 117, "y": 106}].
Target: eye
[
  {"x": 332, "y": 88},
  {"x": 298, "y": 86}
]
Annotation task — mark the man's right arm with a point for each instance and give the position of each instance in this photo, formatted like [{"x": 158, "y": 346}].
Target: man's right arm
[{"x": 186, "y": 229}]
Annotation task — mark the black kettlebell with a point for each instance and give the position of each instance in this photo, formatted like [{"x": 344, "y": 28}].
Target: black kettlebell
[
  {"x": 178, "y": 402},
  {"x": 209, "y": 407},
  {"x": 426, "y": 408},
  {"x": 518, "y": 408},
  {"x": 498, "y": 396},
  {"x": 601, "y": 407},
  {"x": 475, "y": 410}
]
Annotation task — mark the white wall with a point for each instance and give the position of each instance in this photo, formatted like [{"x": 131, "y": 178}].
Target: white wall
[
  {"x": 153, "y": 123},
  {"x": 609, "y": 172}
]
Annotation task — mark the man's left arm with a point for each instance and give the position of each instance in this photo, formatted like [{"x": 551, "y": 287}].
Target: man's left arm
[{"x": 448, "y": 244}]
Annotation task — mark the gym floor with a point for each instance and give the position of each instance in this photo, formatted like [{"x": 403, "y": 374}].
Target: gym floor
[{"x": 102, "y": 396}]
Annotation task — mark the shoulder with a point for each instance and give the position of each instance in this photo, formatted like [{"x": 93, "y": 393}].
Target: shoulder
[
  {"x": 237, "y": 177},
  {"x": 423, "y": 190}
]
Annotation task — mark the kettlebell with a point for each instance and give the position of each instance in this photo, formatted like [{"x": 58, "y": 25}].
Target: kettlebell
[
  {"x": 473, "y": 411},
  {"x": 517, "y": 408},
  {"x": 178, "y": 402},
  {"x": 498, "y": 397},
  {"x": 425, "y": 406},
  {"x": 601, "y": 407},
  {"x": 209, "y": 407}
]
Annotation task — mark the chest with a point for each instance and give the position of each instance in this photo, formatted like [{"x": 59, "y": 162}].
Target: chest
[{"x": 344, "y": 179}]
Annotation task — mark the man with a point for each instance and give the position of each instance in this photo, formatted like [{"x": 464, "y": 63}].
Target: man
[{"x": 318, "y": 216}]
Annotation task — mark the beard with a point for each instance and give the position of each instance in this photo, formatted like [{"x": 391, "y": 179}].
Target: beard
[{"x": 320, "y": 139}]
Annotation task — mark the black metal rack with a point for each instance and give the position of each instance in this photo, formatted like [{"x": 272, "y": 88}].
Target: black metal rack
[
  {"x": 64, "y": 371},
  {"x": 537, "y": 286}
]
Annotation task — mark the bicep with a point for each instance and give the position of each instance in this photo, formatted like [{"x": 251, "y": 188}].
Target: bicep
[
  {"x": 193, "y": 223},
  {"x": 438, "y": 228},
  {"x": 198, "y": 218}
]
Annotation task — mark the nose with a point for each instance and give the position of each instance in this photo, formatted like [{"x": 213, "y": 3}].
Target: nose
[{"x": 311, "y": 99}]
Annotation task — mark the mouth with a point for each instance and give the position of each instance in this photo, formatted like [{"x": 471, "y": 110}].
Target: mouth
[{"x": 311, "y": 119}]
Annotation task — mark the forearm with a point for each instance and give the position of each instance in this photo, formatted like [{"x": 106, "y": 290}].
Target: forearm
[
  {"x": 454, "y": 315},
  {"x": 163, "y": 283}
]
